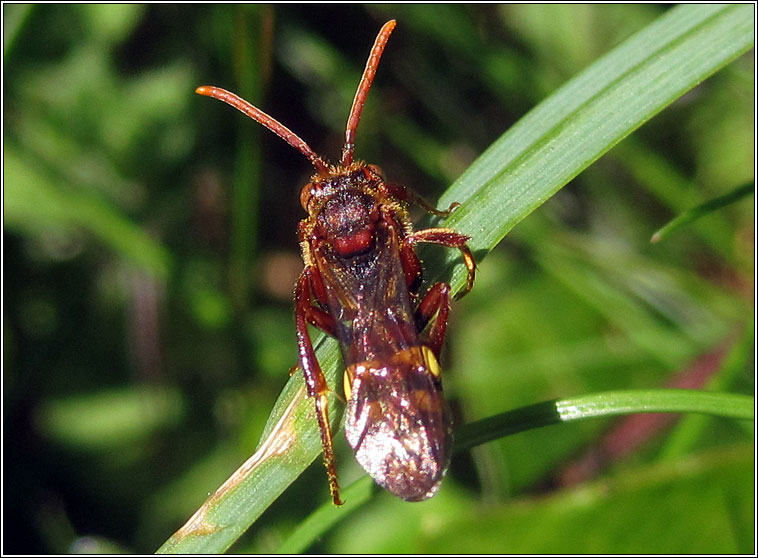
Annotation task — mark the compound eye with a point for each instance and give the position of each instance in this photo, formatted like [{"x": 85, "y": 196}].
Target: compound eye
[
  {"x": 377, "y": 170},
  {"x": 306, "y": 194}
]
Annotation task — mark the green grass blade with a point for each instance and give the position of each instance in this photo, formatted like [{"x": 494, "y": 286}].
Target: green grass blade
[
  {"x": 547, "y": 413},
  {"x": 290, "y": 442},
  {"x": 244, "y": 222},
  {"x": 590, "y": 114},
  {"x": 683, "y": 437},
  {"x": 702, "y": 210},
  {"x": 533, "y": 160},
  {"x": 327, "y": 515}
]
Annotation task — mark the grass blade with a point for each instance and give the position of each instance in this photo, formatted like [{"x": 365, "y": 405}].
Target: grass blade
[
  {"x": 702, "y": 210},
  {"x": 589, "y": 115},
  {"x": 534, "y": 416}
]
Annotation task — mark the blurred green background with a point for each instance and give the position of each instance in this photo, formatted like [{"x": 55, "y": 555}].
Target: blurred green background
[{"x": 149, "y": 254}]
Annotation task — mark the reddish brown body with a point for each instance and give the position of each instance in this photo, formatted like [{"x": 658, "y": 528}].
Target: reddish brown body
[{"x": 361, "y": 285}]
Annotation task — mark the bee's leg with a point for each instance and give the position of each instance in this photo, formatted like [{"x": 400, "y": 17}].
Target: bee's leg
[
  {"x": 452, "y": 239},
  {"x": 435, "y": 307},
  {"x": 305, "y": 313},
  {"x": 411, "y": 267},
  {"x": 408, "y": 195}
]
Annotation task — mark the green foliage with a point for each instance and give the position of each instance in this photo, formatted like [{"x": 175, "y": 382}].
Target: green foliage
[
  {"x": 703, "y": 209},
  {"x": 149, "y": 254}
]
